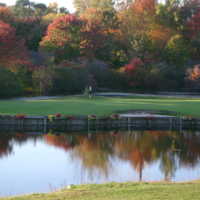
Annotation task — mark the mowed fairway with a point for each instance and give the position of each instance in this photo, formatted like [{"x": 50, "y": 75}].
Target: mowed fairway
[{"x": 98, "y": 105}]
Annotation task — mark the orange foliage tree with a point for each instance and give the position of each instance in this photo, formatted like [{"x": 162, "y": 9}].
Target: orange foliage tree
[
  {"x": 99, "y": 33},
  {"x": 6, "y": 14},
  {"x": 63, "y": 37}
]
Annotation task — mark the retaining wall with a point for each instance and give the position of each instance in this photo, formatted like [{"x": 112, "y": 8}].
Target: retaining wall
[{"x": 43, "y": 124}]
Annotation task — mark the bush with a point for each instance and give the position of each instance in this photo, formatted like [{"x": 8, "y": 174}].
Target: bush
[
  {"x": 69, "y": 80},
  {"x": 9, "y": 84},
  {"x": 106, "y": 77}
]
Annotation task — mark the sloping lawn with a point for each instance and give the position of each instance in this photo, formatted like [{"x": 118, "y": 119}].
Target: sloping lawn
[
  {"x": 122, "y": 191},
  {"x": 98, "y": 105}
]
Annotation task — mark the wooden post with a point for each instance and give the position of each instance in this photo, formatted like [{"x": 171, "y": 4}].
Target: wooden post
[
  {"x": 129, "y": 128},
  {"x": 170, "y": 124},
  {"x": 88, "y": 125},
  {"x": 180, "y": 122},
  {"x": 45, "y": 124}
]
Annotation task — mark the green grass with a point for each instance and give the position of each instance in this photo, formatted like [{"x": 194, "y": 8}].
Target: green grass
[
  {"x": 122, "y": 191},
  {"x": 98, "y": 105}
]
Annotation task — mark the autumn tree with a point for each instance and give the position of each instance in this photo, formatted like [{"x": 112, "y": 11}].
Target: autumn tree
[
  {"x": 31, "y": 30},
  {"x": 9, "y": 48},
  {"x": 187, "y": 10},
  {"x": 168, "y": 14},
  {"x": 50, "y": 17},
  {"x": 63, "y": 37},
  {"x": 135, "y": 23},
  {"x": 193, "y": 77},
  {"x": 6, "y": 14},
  {"x": 192, "y": 31},
  {"x": 100, "y": 35},
  {"x": 193, "y": 25}
]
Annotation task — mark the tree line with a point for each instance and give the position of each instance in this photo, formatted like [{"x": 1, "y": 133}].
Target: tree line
[{"x": 126, "y": 45}]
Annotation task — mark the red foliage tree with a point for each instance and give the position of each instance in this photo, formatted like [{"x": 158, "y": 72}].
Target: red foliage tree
[
  {"x": 194, "y": 73},
  {"x": 63, "y": 37},
  {"x": 6, "y": 14},
  {"x": 12, "y": 51},
  {"x": 90, "y": 35},
  {"x": 59, "y": 32},
  {"x": 193, "y": 25},
  {"x": 133, "y": 65}
]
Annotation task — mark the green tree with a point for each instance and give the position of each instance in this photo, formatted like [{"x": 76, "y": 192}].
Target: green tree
[
  {"x": 9, "y": 85},
  {"x": 24, "y": 8},
  {"x": 43, "y": 79},
  {"x": 82, "y": 5}
]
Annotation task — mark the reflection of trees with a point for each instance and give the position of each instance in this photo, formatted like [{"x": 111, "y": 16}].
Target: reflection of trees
[
  {"x": 94, "y": 152},
  {"x": 140, "y": 148},
  {"x": 171, "y": 149},
  {"x": 5, "y": 146},
  {"x": 58, "y": 141},
  {"x": 7, "y": 141},
  {"x": 190, "y": 149}
]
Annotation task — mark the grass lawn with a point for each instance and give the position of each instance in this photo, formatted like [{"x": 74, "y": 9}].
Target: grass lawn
[
  {"x": 122, "y": 191},
  {"x": 98, "y": 105}
]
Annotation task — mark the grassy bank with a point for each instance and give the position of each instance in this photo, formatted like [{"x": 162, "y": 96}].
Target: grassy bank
[
  {"x": 98, "y": 105},
  {"x": 123, "y": 191}
]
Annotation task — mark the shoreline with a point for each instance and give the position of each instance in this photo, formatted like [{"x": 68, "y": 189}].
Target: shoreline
[{"x": 114, "y": 191}]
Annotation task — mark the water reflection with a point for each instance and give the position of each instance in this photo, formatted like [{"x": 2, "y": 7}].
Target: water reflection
[
  {"x": 8, "y": 141},
  {"x": 107, "y": 153},
  {"x": 140, "y": 148}
]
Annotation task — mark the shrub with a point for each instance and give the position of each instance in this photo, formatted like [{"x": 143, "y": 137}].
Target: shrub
[
  {"x": 9, "y": 84},
  {"x": 69, "y": 81}
]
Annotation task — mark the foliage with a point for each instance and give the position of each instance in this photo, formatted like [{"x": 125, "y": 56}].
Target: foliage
[
  {"x": 193, "y": 77},
  {"x": 164, "y": 35},
  {"x": 69, "y": 80},
  {"x": 6, "y": 14},
  {"x": 105, "y": 77},
  {"x": 9, "y": 49},
  {"x": 43, "y": 79},
  {"x": 9, "y": 85},
  {"x": 24, "y": 76},
  {"x": 82, "y": 5},
  {"x": 177, "y": 50},
  {"x": 50, "y": 17},
  {"x": 63, "y": 37},
  {"x": 31, "y": 30}
]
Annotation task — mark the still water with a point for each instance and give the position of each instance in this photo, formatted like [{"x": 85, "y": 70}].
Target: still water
[{"x": 42, "y": 163}]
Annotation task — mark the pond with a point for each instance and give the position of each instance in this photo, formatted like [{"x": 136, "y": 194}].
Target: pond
[{"x": 33, "y": 163}]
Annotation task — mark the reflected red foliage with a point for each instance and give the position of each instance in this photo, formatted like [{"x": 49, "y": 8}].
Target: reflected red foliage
[{"x": 57, "y": 141}]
